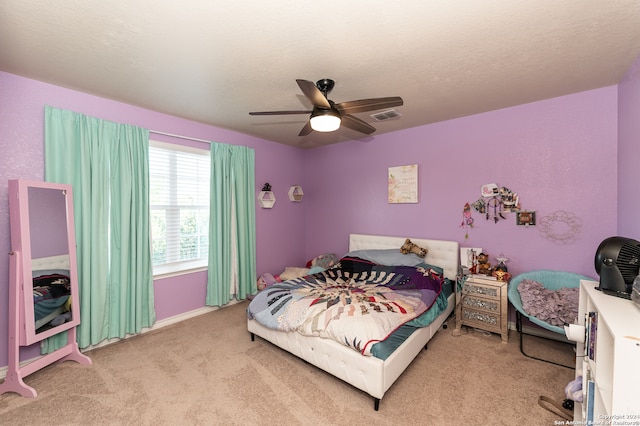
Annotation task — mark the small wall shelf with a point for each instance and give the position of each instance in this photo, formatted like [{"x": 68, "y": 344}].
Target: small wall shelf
[
  {"x": 295, "y": 193},
  {"x": 266, "y": 199}
]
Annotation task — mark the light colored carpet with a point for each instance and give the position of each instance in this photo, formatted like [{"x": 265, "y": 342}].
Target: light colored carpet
[{"x": 207, "y": 371}]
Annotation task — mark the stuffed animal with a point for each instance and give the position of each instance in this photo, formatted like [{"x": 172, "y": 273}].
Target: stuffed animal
[
  {"x": 326, "y": 261},
  {"x": 266, "y": 280},
  {"x": 409, "y": 247},
  {"x": 484, "y": 267},
  {"x": 501, "y": 275}
]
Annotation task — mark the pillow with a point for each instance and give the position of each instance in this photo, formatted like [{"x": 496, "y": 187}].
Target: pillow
[
  {"x": 353, "y": 264},
  {"x": 315, "y": 270},
  {"x": 325, "y": 261},
  {"x": 41, "y": 272},
  {"x": 291, "y": 272},
  {"x": 387, "y": 257}
]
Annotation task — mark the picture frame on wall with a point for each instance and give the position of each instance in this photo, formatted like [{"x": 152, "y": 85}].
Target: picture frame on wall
[
  {"x": 403, "y": 184},
  {"x": 526, "y": 218}
]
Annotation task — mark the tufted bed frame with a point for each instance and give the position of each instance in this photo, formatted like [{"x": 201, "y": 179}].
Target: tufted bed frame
[{"x": 369, "y": 374}]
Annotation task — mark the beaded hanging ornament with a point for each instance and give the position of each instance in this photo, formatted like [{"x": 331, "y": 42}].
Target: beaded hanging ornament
[
  {"x": 467, "y": 220},
  {"x": 494, "y": 209}
]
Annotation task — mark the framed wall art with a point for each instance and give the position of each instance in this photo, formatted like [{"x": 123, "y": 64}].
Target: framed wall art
[
  {"x": 403, "y": 184},
  {"x": 526, "y": 218}
]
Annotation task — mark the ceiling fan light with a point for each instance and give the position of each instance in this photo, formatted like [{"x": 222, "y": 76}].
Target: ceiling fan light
[{"x": 325, "y": 121}]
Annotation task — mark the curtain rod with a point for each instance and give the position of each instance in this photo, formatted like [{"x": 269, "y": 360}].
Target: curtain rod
[{"x": 178, "y": 136}]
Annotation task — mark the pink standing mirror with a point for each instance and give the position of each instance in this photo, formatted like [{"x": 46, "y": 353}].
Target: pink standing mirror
[{"x": 43, "y": 289}]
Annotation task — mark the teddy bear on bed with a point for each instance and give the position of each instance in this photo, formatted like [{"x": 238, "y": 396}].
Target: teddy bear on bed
[{"x": 409, "y": 247}]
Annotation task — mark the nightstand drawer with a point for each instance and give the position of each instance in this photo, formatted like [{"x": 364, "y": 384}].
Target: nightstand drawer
[
  {"x": 482, "y": 304},
  {"x": 489, "y": 291},
  {"x": 484, "y": 320}
]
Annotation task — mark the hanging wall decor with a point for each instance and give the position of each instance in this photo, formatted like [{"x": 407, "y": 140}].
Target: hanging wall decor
[
  {"x": 467, "y": 220},
  {"x": 403, "y": 184},
  {"x": 561, "y": 227},
  {"x": 496, "y": 201}
]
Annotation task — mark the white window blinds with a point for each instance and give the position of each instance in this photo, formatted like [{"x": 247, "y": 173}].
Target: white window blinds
[{"x": 179, "y": 202}]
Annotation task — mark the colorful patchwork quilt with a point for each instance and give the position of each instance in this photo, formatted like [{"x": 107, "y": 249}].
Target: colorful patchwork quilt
[{"x": 357, "y": 303}]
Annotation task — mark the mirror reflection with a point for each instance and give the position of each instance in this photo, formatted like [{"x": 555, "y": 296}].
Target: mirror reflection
[{"x": 50, "y": 269}]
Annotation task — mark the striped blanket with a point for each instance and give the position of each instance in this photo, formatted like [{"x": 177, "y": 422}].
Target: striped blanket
[{"x": 356, "y": 308}]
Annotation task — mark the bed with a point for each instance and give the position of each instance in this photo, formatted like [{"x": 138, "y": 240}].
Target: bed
[
  {"x": 51, "y": 291},
  {"x": 371, "y": 374}
]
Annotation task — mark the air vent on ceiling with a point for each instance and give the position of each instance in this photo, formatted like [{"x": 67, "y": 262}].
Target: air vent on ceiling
[{"x": 386, "y": 115}]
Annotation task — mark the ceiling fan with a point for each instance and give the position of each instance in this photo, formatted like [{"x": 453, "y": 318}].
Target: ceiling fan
[{"x": 327, "y": 115}]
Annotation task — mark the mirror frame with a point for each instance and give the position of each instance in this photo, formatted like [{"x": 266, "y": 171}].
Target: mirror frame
[{"x": 21, "y": 242}]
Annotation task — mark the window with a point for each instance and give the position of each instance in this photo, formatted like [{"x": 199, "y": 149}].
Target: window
[{"x": 179, "y": 203}]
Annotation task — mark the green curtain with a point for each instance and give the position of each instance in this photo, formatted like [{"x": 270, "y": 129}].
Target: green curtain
[
  {"x": 232, "y": 224},
  {"x": 107, "y": 165}
]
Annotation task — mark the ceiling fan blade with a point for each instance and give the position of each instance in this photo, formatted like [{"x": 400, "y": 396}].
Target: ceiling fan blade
[
  {"x": 313, "y": 94},
  {"x": 306, "y": 129},
  {"x": 363, "y": 105},
  {"x": 356, "y": 124},
  {"x": 279, "y": 112}
]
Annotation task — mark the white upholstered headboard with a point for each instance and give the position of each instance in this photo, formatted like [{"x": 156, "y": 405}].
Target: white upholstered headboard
[
  {"x": 51, "y": 262},
  {"x": 441, "y": 253}
]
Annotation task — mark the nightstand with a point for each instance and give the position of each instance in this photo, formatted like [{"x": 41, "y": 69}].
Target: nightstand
[{"x": 482, "y": 303}]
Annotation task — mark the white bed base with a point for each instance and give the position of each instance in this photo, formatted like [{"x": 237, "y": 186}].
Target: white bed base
[{"x": 369, "y": 374}]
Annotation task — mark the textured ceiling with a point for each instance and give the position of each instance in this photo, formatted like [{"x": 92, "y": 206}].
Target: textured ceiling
[{"x": 214, "y": 61}]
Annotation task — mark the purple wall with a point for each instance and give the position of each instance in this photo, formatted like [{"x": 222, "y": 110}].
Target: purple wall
[
  {"x": 557, "y": 154},
  {"x": 629, "y": 152},
  {"x": 22, "y": 101}
]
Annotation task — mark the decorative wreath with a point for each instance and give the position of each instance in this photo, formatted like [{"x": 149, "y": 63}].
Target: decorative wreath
[{"x": 573, "y": 227}]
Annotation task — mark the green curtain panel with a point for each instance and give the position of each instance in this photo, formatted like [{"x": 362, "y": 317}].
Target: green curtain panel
[
  {"x": 232, "y": 224},
  {"x": 107, "y": 165}
]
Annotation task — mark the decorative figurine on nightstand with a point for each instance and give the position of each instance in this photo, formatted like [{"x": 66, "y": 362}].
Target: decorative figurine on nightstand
[
  {"x": 502, "y": 275},
  {"x": 500, "y": 271},
  {"x": 484, "y": 267},
  {"x": 502, "y": 263}
]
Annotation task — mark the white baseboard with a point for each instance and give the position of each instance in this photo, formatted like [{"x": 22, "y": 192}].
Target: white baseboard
[
  {"x": 156, "y": 326},
  {"x": 164, "y": 323}
]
